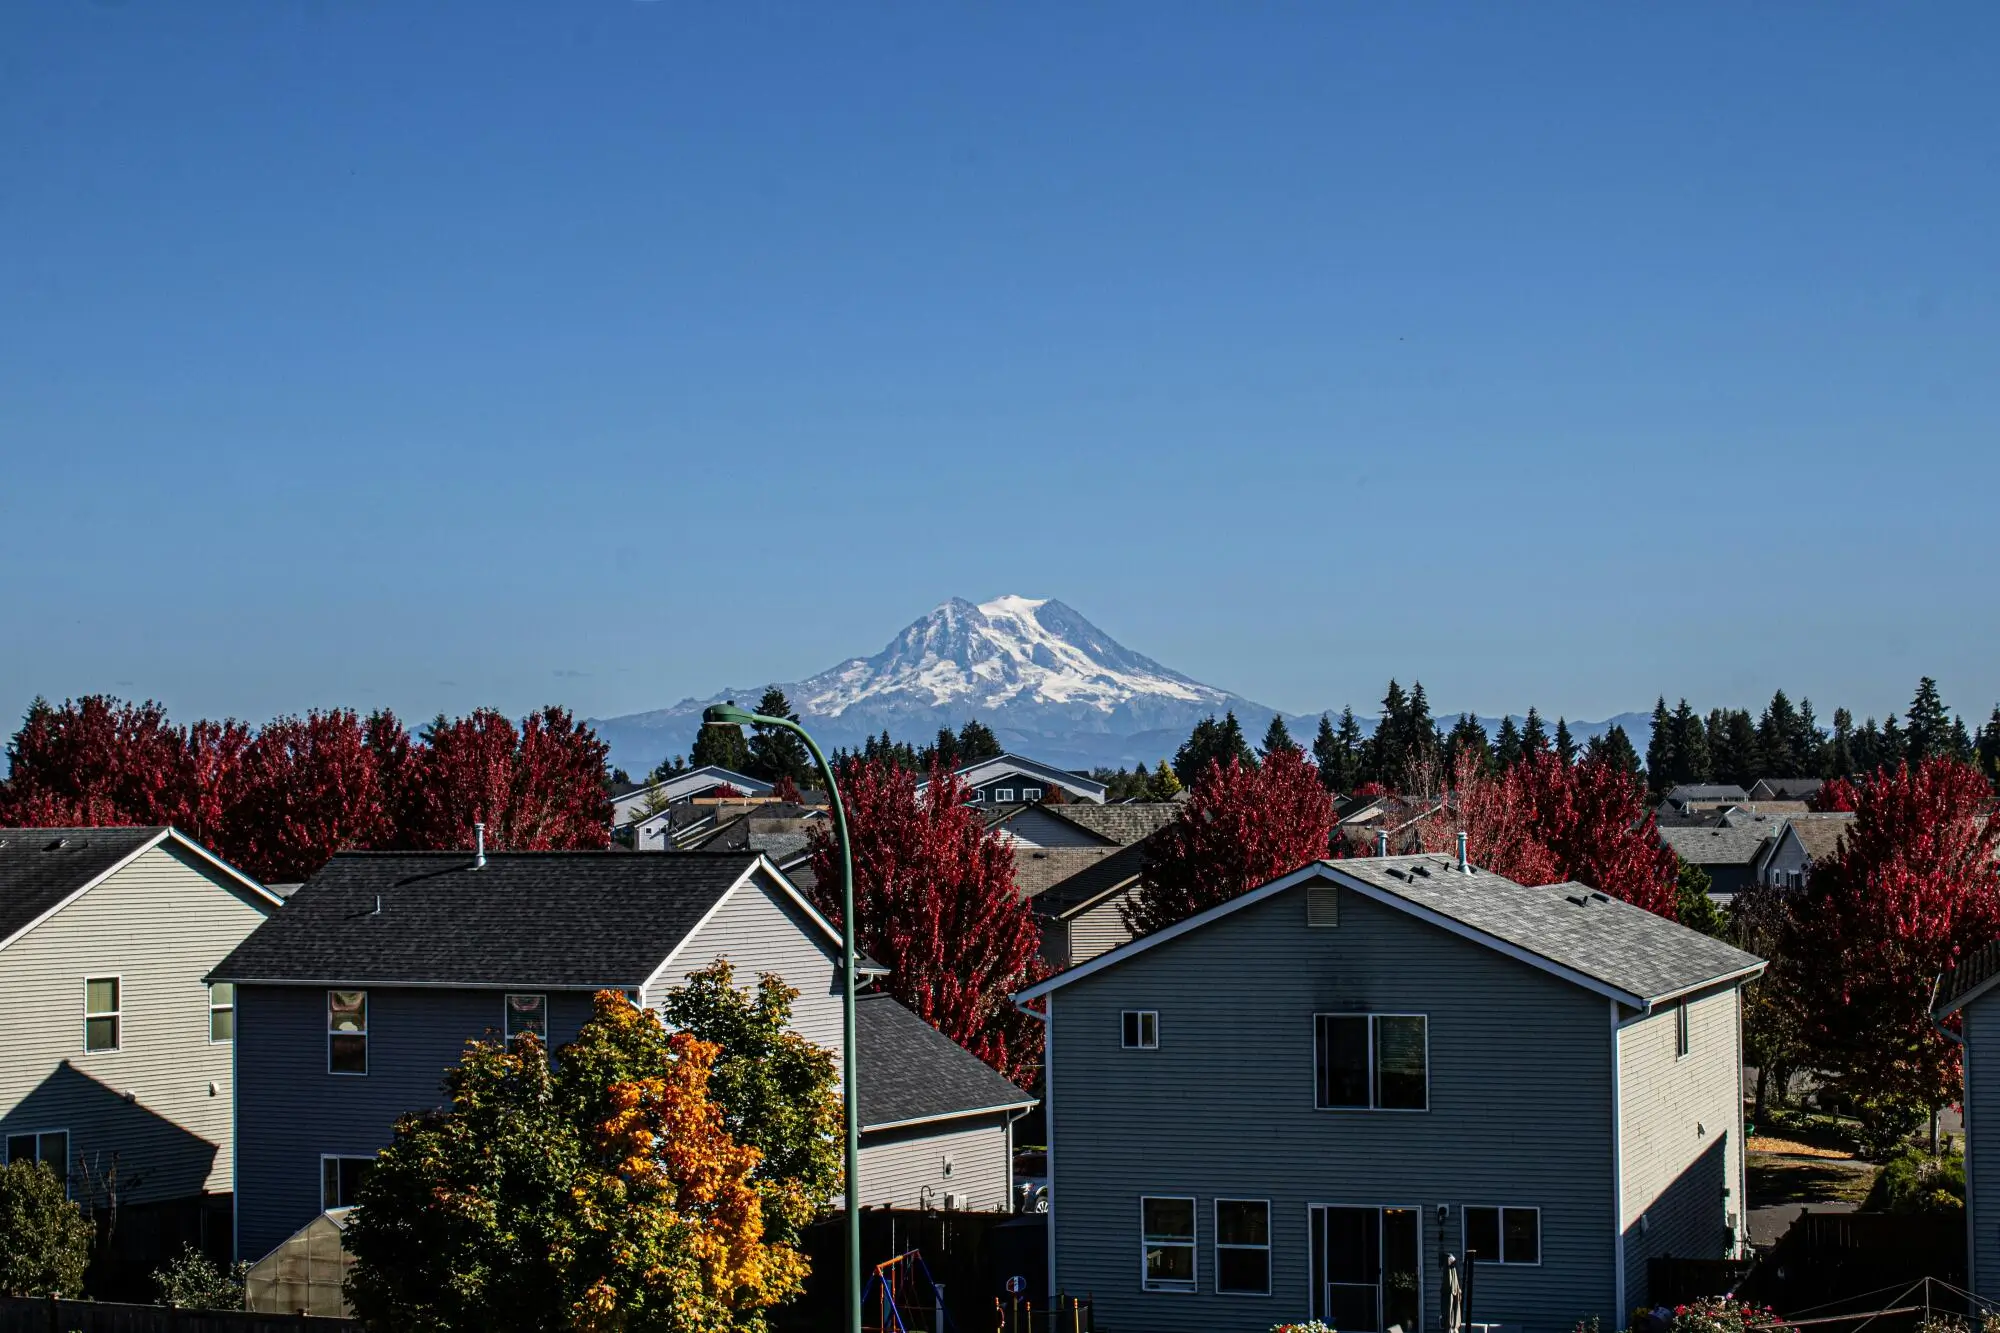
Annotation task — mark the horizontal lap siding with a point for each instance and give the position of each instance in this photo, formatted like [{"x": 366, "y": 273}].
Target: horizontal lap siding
[
  {"x": 897, "y": 1164},
  {"x": 759, "y": 929},
  {"x": 1982, "y": 1137},
  {"x": 159, "y": 924},
  {"x": 290, "y": 1110},
  {"x": 1520, "y": 1095},
  {"x": 1099, "y": 930},
  {"x": 1682, "y": 1131}
]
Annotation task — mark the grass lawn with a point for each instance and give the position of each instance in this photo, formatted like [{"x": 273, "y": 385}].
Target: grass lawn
[{"x": 1778, "y": 1179}]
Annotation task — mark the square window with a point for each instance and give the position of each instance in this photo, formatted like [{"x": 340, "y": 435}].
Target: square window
[
  {"x": 222, "y": 1011},
  {"x": 340, "y": 1180},
  {"x": 101, "y": 1014},
  {"x": 347, "y": 1032},
  {"x": 50, "y": 1147},
  {"x": 1167, "y": 1244},
  {"x": 1377, "y": 1062},
  {"x": 1142, "y": 1030},
  {"x": 1504, "y": 1235},
  {"x": 1243, "y": 1246},
  {"x": 528, "y": 1014}
]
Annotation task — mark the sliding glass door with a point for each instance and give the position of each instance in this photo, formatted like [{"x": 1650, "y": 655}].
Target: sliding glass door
[{"x": 1367, "y": 1269}]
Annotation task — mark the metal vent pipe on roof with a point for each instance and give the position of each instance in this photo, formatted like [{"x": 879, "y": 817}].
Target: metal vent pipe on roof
[
  {"x": 1464, "y": 866},
  {"x": 1381, "y": 842},
  {"x": 479, "y": 846}
]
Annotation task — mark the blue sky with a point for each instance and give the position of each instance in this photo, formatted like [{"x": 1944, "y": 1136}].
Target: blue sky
[{"x": 606, "y": 353}]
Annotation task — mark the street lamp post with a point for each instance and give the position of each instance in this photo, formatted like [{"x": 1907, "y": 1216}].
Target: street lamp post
[{"x": 729, "y": 715}]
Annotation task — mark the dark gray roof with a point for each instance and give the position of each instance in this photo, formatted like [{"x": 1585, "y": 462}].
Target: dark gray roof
[
  {"x": 1721, "y": 845},
  {"x": 1091, "y": 883},
  {"x": 1039, "y": 869},
  {"x": 39, "y": 867},
  {"x": 1123, "y": 824},
  {"x": 1973, "y": 972},
  {"x": 1785, "y": 789},
  {"x": 549, "y": 919},
  {"x": 1707, "y": 791},
  {"x": 911, "y": 1071},
  {"x": 1570, "y": 925}
]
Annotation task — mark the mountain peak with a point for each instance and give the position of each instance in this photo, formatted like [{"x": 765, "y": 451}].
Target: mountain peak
[{"x": 1012, "y": 605}]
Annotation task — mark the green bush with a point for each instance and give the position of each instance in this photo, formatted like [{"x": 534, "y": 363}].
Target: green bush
[
  {"x": 193, "y": 1281},
  {"x": 1886, "y": 1126},
  {"x": 44, "y": 1237},
  {"x": 1915, "y": 1182}
]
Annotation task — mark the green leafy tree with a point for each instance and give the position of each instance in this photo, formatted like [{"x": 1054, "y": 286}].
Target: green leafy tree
[
  {"x": 723, "y": 747},
  {"x": 1927, "y": 733},
  {"x": 1163, "y": 785},
  {"x": 1277, "y": 736},
  {"x": 774, "y": 752},
  {"x": 778, "y": 1092},
  {"x": 600, "y": 1191},
  {"x": 1693, "y": 907},
  {"x": 1212, "y": 742},
  {"x": 193, "y": 1281},
  {"x": 44, "y": 1237}
]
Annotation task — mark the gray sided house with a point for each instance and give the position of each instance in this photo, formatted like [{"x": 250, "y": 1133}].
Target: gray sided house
[
  {"x": 1297, "y": 1103},
  {"x": 354, "y": 1001},
  {"x": 1731, "y": 852},
  {"x": 1972, "y": 991},
  {"x": 1804, "y": 842},
  {"x": 118, "y": 1050},
  {"x": 1083, "y": 915}
]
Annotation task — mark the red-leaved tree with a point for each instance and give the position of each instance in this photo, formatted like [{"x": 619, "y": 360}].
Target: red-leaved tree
[
  {"x": 1911, "y": 890},
  {"x": 1836, "y": 796},
  {"x": 536, "y": 788},
  {"x": 1239, "y": 828},
  {"x": 1594, "y": 820},
  {"x": 1496, "y": 812},
  {"x": 310, "y": 788},
  {"x": 934, "y": 901},
  {"x": 93, "y": 761}
]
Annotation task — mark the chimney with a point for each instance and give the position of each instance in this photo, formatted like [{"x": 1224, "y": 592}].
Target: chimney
[
  {"x": 1464, "y": 866},
  {"x": 1381, "y": 842},
  {"x": 479, "y": 846}
]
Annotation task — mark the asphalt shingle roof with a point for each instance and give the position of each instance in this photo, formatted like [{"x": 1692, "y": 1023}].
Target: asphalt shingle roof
[
  {"x": 1975, "y": 971},
  {"x": 911, "y": 1071},
  {"x": 1712, "y": 791},
  {"x": 1820, "y": 834},
  {"x": 551, "y": 919},
  {"x": 1039, "y": 869},
  {"x": 1093, "y": 882},
  {"x": 39, "y": 867},
  {"x": 1613, "y": 942},
  {"x": 1720, "y": 845},
  {"x": 1123, "y": 824}
]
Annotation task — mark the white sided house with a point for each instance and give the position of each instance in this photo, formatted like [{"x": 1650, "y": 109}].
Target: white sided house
[
  {"x": 683, "y": 787},
  {"x": 119, "y": 1054},
  {"x": 1298, "y": 1103}
]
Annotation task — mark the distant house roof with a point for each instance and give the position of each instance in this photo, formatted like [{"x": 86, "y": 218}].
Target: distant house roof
[
  {"x": 1569, "y": 930},
  {"x": 1124, "y": 824},
  {"x": 1785, "y": 789},
  {"x": 1093, "y": 883},
  {"x": 911, "y": 1073},
  {"x": 982, "y": 771},
  {"x": 1712, "y": 791},
  {"x": 558, "y": 920},
  {"x": 1720, "y": 845},
  {"x": 43, "y": 869},
  {"x": 684, "y": 786},
  {"x": 1038, "y": 869},
  {"x": 1818, "y": 835}
]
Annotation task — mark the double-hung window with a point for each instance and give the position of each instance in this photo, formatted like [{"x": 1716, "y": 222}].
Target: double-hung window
[
  {"x": 222, "y": 1011},
  {"x": 102, "y": 1015},
  {"x": 1243, "y": 1247},
  {"x": 50, "y": 1147},
  {"x": 1371, "y": 1062},
  {"x": 1166, "y": 1244},
  {"x": 1141, "y": 1030},
  {"x": 347, "y": 1032},
  {"x": 340, "y": 1180},
  {"x": 528, "y": 1013},
  {"x": 1504, "y": 1235}
]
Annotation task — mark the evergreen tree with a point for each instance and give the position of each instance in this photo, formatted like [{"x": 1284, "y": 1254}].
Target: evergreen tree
[
  {"x": 669, "y": 767},
  {"x": 1353, "y": 751},
  {"x": 1212, "y": 741},
  {"x": 1961, "y": 743},
  {"x": 1895, "y": 745},
  {"x": 976, "y": 741},
  {"x": 1163, "y": 786},
  {"x": 1690, "y": 746},
  {"x": 1808, "y": 742},
  {"x": 1468, "y": 738},
  {"x": 1566, "y": 743},
  {"x": 1838, "y": 761},
  {"x": 1694, "y": 908},
  {"x": 774, "y": 752},
  {"x": 1386, "y": 753},
  {"x": 1744, "y": 755},
  {"x": 722, "y": 746},
  {"x": 1421, "y": 743},
  {"x": 943, "y": 752},
  {"x": 1989, "y": 747},
  {"x": 1776, "y": 732},
  {"x": 1534, "y": 736},
  {"x": 1721, "y": 759},
  {"x": 1614, "y": 747},
  {"x": 1507, "y": 749},
  {"x": 1927, "y": 733},
  {"x": 1327, "y": 754},
  {"x": 1662, "y": 754},
  {"x": 1277, "y": 737}
]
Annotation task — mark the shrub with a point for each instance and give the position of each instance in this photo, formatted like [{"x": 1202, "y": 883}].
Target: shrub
[
  {"x": 193, "y": 1281},
  {"x": 1718, "y": 1314},
  {"x": 1886, "y": 1125},
  {"x": 1914, "y": 1182},
  {"x": 1310, "y": 1326},
  {"x": 44, "y": 1237}
]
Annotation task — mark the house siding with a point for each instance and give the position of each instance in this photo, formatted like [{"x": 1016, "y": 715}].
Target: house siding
[
  {"x": 1036, "y": 828},
  {"x": 290, "y": 1110},
  {"x": 898, "y": 1164},
  {"x": 1100, "y": 929},
  {"x": 1681, "y": 1125},
  {"x": 1520, "y": 1079},
  {"x": 760, "y": 929},
  {"x": 1982, "y": 1138},
  {"x": 159, "y": 924}
]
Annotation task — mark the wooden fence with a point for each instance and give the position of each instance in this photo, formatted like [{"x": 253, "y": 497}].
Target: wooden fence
[{"x": 29, "y": 1314}]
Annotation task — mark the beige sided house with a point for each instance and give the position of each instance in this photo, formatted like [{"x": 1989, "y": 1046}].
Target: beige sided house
[{"x": 119, "y": 1056}]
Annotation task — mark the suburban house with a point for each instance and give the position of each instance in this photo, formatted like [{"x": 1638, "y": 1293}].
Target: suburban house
[
  {"x": 1082, "y": 915},
  {"x": 357, "y": 997},
  {"x": 1297, "y": 1103},
  {"x": 684, "y": 786},
  {"x": 118, "y": 1060},
  {"x": 1785, "y": 789},
  {"x": 754, "y": 824},
  {"x": 1732, "y": 850},
  {"x": 1706, "y": 793},
  {"x": 1008, "y": 778},
  {"x": 1969, "y": 991},
  {"x": 1805, "y": 841}
]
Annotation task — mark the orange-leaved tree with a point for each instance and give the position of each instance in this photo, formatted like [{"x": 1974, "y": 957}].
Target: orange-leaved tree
[{"x": 599, "y": 1192}]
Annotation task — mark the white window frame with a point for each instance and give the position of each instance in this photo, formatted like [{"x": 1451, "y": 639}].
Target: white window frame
[
  {"x": 38, "y": 1135},
  {"x": 1031, "y": 793},
  {"x": 214, "y": 1009},
  {"x": 1193, "y": 1243},
  {"x": 326, "y": 1157},
  {"x": 1683, "y": 1036},
  {"x": 1140, "y": 1030},
  {"x": 507, "y": 1033},
  {"x": 1216, "y": 1244},
  {"x": 1003, "y": 795},
  {"x": 367, "y": 1021},
  {"x": 1500, "y": 1212},
  {"x": 1372, "y": 1108},
  {"x": 116, "y": 1014}
]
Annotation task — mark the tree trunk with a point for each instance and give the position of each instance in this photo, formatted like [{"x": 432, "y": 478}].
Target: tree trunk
[{"x": 1763, "y": 1077}]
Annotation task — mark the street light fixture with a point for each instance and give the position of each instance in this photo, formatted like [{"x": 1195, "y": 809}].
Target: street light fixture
[{"x": 729, "y": 715}]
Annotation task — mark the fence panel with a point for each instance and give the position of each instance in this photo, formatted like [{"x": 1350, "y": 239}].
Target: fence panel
[{"x": 26, "y": 1314}]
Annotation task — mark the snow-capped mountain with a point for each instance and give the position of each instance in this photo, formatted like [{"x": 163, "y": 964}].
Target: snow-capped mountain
[{"x": 1047, "y": 681}]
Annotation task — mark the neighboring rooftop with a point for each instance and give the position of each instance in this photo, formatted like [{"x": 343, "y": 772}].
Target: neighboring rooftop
[
  {"x": 909, "y": 1071},
  {"x": 1721, "y": 845},
  {"x": 1707, "y": 792},
  {"x": 1785, "y": 789},
  {"x": 1039, "y": 869},
  {"x": 1820, "y": 834},
  {"x": 40, "y": 867},
  {"x": 1093, "y": 882},
  {"x": 1133, "y": 821}
]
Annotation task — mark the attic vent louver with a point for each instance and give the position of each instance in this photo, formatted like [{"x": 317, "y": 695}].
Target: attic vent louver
[
  {"x": 1397, "y": 874},
  {"x": 1323, "y": 908}
]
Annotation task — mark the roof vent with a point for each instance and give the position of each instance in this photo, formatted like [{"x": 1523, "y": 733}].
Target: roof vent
[
  {"x": 1381, "y": 842},
  {"x": 1580, "y": 899},
  {"x": 57, "y": 845},
  {"x": 1397, "y": 874},
  {"x": 479, "y": 846},
  {"x": 1599, "y": 896},
  {"x": 1425, "y": 871}
]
